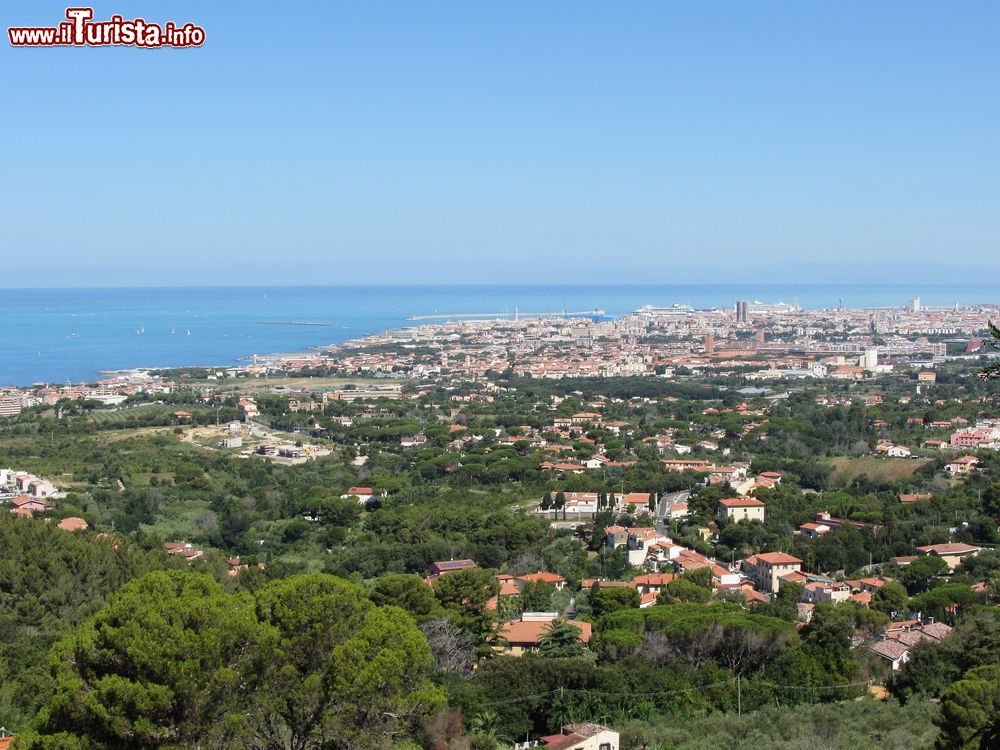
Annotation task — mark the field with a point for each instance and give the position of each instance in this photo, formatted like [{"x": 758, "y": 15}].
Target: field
[
  {"x": 259, "y": 385},
  {"x": 877, "y": 469}
]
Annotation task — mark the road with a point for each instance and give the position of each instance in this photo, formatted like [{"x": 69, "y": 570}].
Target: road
[{"x": 665, "y": 502}]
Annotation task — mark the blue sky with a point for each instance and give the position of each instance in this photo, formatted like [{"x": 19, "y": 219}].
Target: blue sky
[{"x": 400, "y": 142}]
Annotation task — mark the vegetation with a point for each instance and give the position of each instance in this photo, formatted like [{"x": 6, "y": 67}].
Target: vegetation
[{"x": 329, "y": 634}]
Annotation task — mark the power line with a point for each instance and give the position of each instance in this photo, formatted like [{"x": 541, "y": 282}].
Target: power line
[
  {"x": 693, "y": 689},
  {"x": 813, "y": 687}
]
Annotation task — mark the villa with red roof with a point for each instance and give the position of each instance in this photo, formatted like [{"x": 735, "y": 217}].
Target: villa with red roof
[
  {"x": 525, "y": 635},
  {"x": 741, "y": 509},
  {"x": 363, "y": 494},
  {"x": 767, "y": 568},
  {"x": 542, "y": 577},
  {"x": 952, "y": 552}
]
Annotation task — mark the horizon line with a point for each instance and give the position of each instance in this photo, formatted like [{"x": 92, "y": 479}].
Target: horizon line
[{"x": 845, "y": 284}]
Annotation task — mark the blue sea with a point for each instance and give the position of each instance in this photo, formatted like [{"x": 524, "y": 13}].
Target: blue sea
[{"x": 60, "y": 335}]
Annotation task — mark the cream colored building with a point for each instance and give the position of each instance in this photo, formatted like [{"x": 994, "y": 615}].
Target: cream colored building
[{"x": 742, "y": 509}]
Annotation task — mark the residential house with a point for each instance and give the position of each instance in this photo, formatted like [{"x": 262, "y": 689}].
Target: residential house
[
  {"x": 633, "y": 502},
  {"x": 183, "y": 549},
  {"x": 814, "y": 530},
  {"x": 895, "y": 643},
  {"x": 441, "y": 567},
  {"x": 639, "y": 541},
  {"x": 542, "y": 577},
  {"x": 582, "y": 737},
  {"x": 26, "y": 506},
  {"x": 894, "y": 652},
  {"x": 741, "y": 509},
  {"x": 826, "y": 591},
  {"x": 651, "y": 583},
  {"x": 766, "y": 568},
  {"x": 951, "y": 552},
  {"x": 525, "y": 635},
  {"x": 963, "y": 465},
  {"x": 363, "y": 494},
  {"x": 689, "y": 464}
]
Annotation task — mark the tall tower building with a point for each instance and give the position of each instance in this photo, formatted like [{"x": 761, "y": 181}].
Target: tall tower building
[
  {"x": 709, "y": 344},
  {"x": 742, "y": 311},
  {"x": 870, "y": 359}
]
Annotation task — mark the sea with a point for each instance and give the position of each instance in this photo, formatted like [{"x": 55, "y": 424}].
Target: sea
[{"x": 75, "y": 335}]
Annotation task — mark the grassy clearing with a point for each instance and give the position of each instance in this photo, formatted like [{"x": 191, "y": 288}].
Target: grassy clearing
[
  {"x": 876, "y": 468},
  {"x": 259, "y": 385}
]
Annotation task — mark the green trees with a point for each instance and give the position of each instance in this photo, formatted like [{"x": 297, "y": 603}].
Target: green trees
[
  {"x": 50, "y": 582},
  {"x": 606, "y": 600},
  {"x": 939, "y": 600},
  {"x": 536, "y": 596},
  {"x": 561, "y": 640},
  {"x": 157, "y": 667},
  {"x": 682, "y": 590},
  {"x": 335, "y": 671},
  {"x": 970, "y": 711},
  {"x": 891, "y": 599},
  {"x": 173, "y": 662},
  {"x": 464, "y": 595},
  {"x": 974, "y": 642},
  {"x": 408, "y": 592},
  {"x": 917, "y": 576}
]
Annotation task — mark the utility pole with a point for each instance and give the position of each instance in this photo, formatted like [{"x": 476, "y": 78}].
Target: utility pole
[{"x": 739, "y": 696}]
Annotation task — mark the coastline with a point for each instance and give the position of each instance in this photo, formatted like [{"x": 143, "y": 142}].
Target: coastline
[{"x": 74, "y": 335}]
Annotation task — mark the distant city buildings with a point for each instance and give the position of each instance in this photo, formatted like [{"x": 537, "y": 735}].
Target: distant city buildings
[{"x": 742, "y": 311}]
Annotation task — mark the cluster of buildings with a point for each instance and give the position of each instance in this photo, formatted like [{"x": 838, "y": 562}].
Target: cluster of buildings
[
  {"x": 110, "y": 392},
  {"x": 25, "y": 495},
  {"x": 779, "y": 341}
]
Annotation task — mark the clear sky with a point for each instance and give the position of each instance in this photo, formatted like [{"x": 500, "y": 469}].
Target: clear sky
[{"x": 399, "y": 142}]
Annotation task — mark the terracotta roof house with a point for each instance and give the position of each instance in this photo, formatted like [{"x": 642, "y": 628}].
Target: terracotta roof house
[
  {"x": 544, "y": 577},
  {"x": 525, "y": 635},
  {"x": 72, "y": 524},
  {"x": 894, "y": 652},
  {"x": 25, "y": 506},
  {"x": 742, "y": 508},
  {"x": 951, "y": 552},
  {"x": 766, "y": 569},
  {"x": 582, "y": 737},
  {"x": 442, "y": 567},
  {"x": 363, "y": 494}
]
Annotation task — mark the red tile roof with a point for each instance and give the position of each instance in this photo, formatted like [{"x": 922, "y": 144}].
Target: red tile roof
[
  {"x": 742, "y": 502},
  {"x": 530, "y": 632},
  {"x": 775, "y": 558}
]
